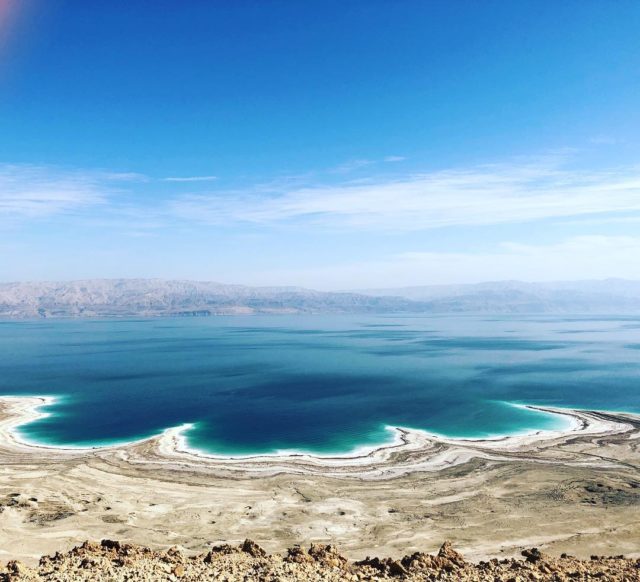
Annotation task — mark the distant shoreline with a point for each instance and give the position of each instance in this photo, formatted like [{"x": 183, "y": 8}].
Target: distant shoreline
[
  {"x": 115, "y": 298},
  {"x": 277, "y": 314}
]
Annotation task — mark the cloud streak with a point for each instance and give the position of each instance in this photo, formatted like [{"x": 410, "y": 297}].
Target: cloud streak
[
  {"x": 482, "y": 195},
  {"x": 30, "y": 191},
  {"x": 516, "y": 192},
  {"x": 130, "y": 208},
  {"x": 190, "y": 179},
  {"x": 354, "y": 165}
]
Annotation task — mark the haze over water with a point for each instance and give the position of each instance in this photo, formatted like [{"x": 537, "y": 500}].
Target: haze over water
[{"x": 315, "y": 383}]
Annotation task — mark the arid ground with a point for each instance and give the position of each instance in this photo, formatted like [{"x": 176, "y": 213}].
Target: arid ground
[{"x": 576, "y": 492}]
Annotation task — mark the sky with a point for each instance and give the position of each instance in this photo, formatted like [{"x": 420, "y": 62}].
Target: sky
[{"x": 325, "y": 144}]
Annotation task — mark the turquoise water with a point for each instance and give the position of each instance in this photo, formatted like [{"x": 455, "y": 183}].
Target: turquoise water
[{"x": 314, "y": 383}]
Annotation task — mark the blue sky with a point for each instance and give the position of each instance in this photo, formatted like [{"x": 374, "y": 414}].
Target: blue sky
[{"x": 326, "y": 144}]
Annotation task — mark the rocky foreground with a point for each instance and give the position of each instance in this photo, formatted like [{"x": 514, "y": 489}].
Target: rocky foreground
[{"x": 112, "y": 560}]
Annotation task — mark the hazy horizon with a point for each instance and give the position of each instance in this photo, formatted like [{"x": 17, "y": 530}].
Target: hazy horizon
[
  {"x": 346, "y": 290},
  {"x": 318, "y": 145}
]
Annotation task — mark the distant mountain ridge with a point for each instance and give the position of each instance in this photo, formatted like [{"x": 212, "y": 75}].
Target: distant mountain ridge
[
  {"x": 600, "y": 296},
  {"x": 158, "y": 297}
]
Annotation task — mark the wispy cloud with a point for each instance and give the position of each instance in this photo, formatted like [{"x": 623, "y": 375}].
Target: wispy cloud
[
  {"x": 354, "y": 165},
  {"x": 127, "y": 206},
  {"x": 351, "y": 166},
  {"x": 190, "y": 179},
  {"x": 603, "y": 140},
  {"x": 515, "y": 192},
  {"x": 30, "y": 191}
]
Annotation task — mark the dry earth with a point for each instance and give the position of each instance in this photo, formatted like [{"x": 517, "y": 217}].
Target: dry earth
[{"x": 576, "y": 492}]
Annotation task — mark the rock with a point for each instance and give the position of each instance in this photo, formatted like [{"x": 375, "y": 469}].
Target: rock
[
  {"x": 88, "y": 563},
  {"x": 120, "y": 562},
  {"x": 327, "y": 555},
  {"x": 395, "y": 568},
  {"x": 178, "y": 571},
  {"x": 110, "y": 545},
  {"x": 253, "y": 549},
  {"x": 533, "y": 555},
  {"x": 16, "y": 567},
  {"x": 448, "y": 553},
  {"x": 375, "y": 563},
  {"x": 297, "y": 555},
  {"x": 222, "y": 550},
  {"x": 173, "y": 555}
]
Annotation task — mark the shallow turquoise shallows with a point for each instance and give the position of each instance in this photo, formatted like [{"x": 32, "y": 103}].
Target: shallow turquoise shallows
[{"x": 315, "y": 383}]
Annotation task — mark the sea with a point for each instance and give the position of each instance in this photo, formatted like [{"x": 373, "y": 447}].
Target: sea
[{"x": 317, "y": 383}]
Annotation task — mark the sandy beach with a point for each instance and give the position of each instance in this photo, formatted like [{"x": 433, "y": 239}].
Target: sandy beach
[{"x": 575, "y": 490}]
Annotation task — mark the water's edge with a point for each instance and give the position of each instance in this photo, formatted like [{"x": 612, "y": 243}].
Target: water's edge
[{"x": 565, "y": 423}]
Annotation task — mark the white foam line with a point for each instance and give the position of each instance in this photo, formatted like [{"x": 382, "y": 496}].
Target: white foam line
[
  {"x": 173, "y": 441},
  {"x": 28, "y": 409}
]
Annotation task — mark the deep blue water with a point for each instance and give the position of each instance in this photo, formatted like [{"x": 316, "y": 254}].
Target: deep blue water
[{"x": 316, "y": 383}]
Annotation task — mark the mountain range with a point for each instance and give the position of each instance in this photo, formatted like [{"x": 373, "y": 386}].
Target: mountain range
[
  {"x": 597, "y": 296},
  {"x": 156, "y": 297}
]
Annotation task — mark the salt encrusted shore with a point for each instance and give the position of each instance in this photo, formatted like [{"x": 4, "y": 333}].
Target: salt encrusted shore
[
  {"x": 409, "y": 451},
  {"x": 575, "y": 490}
]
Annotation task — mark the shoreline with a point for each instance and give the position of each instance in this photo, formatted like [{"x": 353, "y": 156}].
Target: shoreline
[
  {"x": 573, "y": 490},
  {"x": 426, "y": 451}
]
